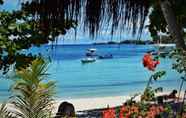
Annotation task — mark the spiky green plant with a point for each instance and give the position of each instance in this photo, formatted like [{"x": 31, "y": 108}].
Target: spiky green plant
[
  {"x": 32, "y": 92},
  {"x": 4, "y": 113}
]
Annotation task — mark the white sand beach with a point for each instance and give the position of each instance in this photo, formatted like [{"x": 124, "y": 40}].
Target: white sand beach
[
  {"x": 94, "y": 103},
  {"x": 82, "y": 104},
  {"x": 100, "y": 102}
]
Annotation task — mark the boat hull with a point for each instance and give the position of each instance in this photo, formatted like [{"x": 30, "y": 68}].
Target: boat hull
[{"x": 88, "y": 60}]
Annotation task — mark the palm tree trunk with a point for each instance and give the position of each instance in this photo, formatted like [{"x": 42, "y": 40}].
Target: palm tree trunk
[{"x": 175, "y": 30}]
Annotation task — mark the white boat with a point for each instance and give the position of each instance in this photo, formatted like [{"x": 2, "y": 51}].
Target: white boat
[
  {"x": 92, "y": 49},
  {"x": 91, "y": 52},
  {"x": 88, "y": 60}
]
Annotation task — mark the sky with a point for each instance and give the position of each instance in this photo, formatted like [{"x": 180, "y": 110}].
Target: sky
[{"x": 83, "y": 37}]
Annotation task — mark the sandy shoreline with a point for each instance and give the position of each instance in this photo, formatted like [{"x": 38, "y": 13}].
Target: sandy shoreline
[
  {"x": 94, "y": 103},
  {"x": 81, "y": 104}
]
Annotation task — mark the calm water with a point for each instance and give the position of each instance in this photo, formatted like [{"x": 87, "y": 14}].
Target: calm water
[{"x": 122, "y": 75}]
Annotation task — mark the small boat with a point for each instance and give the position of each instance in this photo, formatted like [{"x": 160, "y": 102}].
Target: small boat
[
  {"x": 107, "y": 56},
  {"x": 88, "y": 60},
  {"x": 91, "y": 52},
  {"x": 91, "y": 49}
]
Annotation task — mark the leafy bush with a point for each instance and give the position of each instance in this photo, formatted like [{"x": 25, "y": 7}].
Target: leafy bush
[{"x": 148, "y": 95}]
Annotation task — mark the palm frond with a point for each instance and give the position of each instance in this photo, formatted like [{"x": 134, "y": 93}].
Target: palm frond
[
  {"x": 120, "y": 14},
  {"x": 4, "y": 113},
  {"x": 32, "y": 96}
]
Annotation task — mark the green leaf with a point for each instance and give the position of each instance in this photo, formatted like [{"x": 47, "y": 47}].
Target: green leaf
[{"x": 158, "y": 75}]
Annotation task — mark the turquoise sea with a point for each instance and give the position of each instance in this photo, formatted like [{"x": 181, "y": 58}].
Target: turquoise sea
[{"x": 122, "y": 75}]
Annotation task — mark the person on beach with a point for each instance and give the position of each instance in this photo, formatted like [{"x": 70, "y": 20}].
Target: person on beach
[
  {"x": 172, "y": 95},
  {"x": 66, "y": 110}
]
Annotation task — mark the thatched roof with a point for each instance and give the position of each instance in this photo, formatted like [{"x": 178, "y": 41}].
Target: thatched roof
[{"x": 93, "y": 14}]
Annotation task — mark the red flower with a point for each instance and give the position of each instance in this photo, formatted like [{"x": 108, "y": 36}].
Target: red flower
[
  {"x": 105, "y": 113},
  {"x": 122, "y": 111},
  {"x": 149, "y": 63},
  {"x": 134, "y": 109},
  {"x": 150, "y": 114},
  {"x": 128, "y": 115},
  {"x": 157, "y": 62},
  {"x": 147, "y": 59},
  {"x": 153, "y": 110},
  {"x": 109, "y": 113},
  {"x": 161, "y": 109}
]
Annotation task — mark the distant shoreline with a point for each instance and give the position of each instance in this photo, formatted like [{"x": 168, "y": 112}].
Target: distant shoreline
[
  {"x": 136, "y": 42},
  {"x": 129, "y": 42}
]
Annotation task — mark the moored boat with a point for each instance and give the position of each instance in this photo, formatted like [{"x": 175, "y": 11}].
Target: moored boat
[
  {"x": 91, "y": 52},
  {"x": 88, "y": 60},
  {"x": 107, "y": 56}
]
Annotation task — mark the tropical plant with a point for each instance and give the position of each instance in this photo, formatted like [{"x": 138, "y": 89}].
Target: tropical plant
[
  {"x": 131, "y": 100},
  {"x": 148, "y": 95},
  {"x": 179, "y": 64},
  {"x": 19, "y": 31},
  {"x": 122, "y": 14},
  {"x": 158, "y": 23},
  {"x": 151, "y": 63},
  {"x": 179, "y": 57},
  {"x": 32, "y": 93},
  {"x": 149, "y": 92},
  {"x": 4, "y": 113}
]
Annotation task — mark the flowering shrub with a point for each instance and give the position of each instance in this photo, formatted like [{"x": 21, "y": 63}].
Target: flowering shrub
[
  {"x": 151, "y": 63},
  {"x": 142, "y": 110},
  {"x": 109, "y": 113},
  {"x": 134, "y": 111},
  {"x": 148, "y": 95}
]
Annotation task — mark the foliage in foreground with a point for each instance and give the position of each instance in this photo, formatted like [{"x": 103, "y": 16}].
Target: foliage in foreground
[
  {"x": 179, "y": 57},
  {"x": 19, "y": 31},
  {"x": 32, "y": 93},
  {"x": 144, "y": 110},
  {"x": 158, "y": 23},
  {"x": 4, "y": 113}
]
